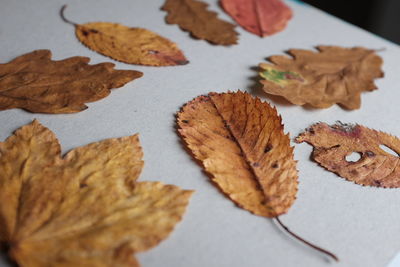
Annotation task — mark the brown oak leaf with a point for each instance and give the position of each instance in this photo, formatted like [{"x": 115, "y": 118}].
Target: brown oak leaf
[
  {"x": 193, "y": 16},
  {"x": 36, "y": 83},
  {"x": 261, "y": 17},
  {"x": 332, "y": 144},
  {"x": 241, "y": 144},
  {"x": 332, "y": 75},
  {"x": 128, "y": 45},
  {"x": 83, "y": 209}
]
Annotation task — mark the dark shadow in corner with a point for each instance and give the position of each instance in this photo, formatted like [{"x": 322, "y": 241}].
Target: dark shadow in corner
[{"x": 4, "y": 258}]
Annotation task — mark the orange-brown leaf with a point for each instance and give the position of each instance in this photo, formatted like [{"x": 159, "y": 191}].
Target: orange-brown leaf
[
  {"x": 130, "y": 45},
  {"x": 193, "y": 16},
  {"x": 83, "y": 209},
  {"x": 332, "y": 144},
  {"x": 36, "y": 83},
  {"x": 332, "y": 75},
  {"x": 261, "y": 17},
  {"x": 241, "y": 143}
]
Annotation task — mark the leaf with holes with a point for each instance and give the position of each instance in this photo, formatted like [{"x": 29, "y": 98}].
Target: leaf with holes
[
  {"x": 128, "y": 45},
  {"x": 193, "y": 16},
  {"x": 261, "y": 17},
  {"x": 36, "y": 83},
  {"x": 332, "y": 75},
  {"x": 241, "y": 143},
  {"x": 83, "y": 209},
  {"x": 333, "y": 144}
]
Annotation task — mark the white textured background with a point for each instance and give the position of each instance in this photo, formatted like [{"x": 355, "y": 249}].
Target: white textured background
[{"x": 360, "y": 224}]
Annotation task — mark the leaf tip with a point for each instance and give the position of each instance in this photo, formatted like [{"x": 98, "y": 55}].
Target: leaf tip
[{"x": 182, "y": 62}]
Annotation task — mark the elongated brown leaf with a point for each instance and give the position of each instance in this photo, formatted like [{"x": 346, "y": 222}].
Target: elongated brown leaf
[
  {"x": 332, "y": 75},
  {"x": 128, "y": 45},
  {"x": 241, "y": 143},
  {"x": 83, "y": 209},
  {"x": 193, "y": 16},
  {"x": 261, "y": 17},
  {"x": 332, "y": 144},
  {"x": 36, "y": 83}
]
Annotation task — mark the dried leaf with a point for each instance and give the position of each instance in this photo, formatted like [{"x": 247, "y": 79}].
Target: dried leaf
[
  {"x": 261, "y": 17},
  {"x": 36, "y": 83},
  {"x": 332, "y": 144},
  {"x": 241, "y": 143},
  {"x": 193, "y": 16},
  {"x": 83, "y": 209},
  {"x": 321, "y": 79},
  {"x": 128, "y": 45}
]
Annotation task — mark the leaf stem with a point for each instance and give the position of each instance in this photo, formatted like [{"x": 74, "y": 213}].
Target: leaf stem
[
  {"x": 64, "y": 18},
  {"x": 326, "y": 252}
]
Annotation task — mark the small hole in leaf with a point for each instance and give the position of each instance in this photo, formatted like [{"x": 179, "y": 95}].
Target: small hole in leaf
[
  {"x": 268, "y": 148},
  {"x": 369, "y": 154},
  {"x": 388, "y": 150},
  {"x": 152, "y": 52},
  {"x": 353, "y": 157}
]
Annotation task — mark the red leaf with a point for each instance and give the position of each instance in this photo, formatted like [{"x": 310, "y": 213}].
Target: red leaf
[{"x": 261, "y": 17}]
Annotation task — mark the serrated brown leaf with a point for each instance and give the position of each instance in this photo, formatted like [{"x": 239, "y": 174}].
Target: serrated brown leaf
[
  {"x": 193, "y": 16},
  {"x": 36, "y": 83},
  {"x": 241, "y": 144},
  {"x": 261, "y": 17},
  {"x": 332, "y": 75},
  {"x": 83, "y": 209},
  {"x": 332, "y": 144}
]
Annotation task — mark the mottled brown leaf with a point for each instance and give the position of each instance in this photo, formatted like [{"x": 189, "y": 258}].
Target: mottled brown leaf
[
  {"x": 193, "y": 16},
  {"x": 332, "y": 144},
  {"x": 321, "y": 79},
  {"x": 241, "y": 143},
  {"x": 83, "y": 209},
  {"x": 36, "y": 83},
  {"x": 128, "y": 45},
  {"x": 261, "y": 17}
]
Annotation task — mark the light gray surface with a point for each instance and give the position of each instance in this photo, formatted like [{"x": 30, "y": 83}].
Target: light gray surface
[{"x": 360, "y": 224}]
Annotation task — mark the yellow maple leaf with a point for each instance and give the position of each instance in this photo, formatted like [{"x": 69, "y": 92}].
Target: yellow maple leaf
[{"x": 83, "y": 209}]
